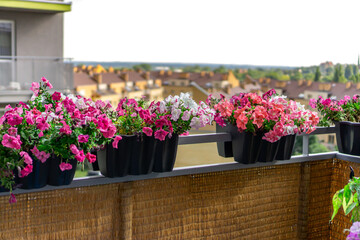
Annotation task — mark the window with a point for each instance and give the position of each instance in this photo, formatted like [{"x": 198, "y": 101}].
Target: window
[{"x": 7, "y": 47}]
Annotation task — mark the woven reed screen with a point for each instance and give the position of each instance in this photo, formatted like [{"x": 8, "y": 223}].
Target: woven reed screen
[{"x": 278, "y": 202}]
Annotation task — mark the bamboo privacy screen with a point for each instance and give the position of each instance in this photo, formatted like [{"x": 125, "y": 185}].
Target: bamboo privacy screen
[{"x": 277, "y": 202}]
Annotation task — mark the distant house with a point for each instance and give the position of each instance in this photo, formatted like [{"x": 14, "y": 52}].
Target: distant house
[
  {"x": 199, "y": 85},
  {"x": 98, "y": 83},
  {"x": 31, "y": 46}
]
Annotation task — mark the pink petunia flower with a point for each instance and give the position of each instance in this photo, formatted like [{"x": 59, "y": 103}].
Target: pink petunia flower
[
  {"x": 65, "y": 166},
  {"x": 12, "y": 198},
  {"x": 47, "y": 83},
  {"x": 116, "y": 141},
  {"x": 26, "y": 171},
  {"x": 74, "y": 149},
  {"x": 11, "y": 142},
  {"x": 160, "y": 134},
  {"x": 90, "y": 157},
  {"x": 80, "y": 157},
  {"x": 27, "y": 159},
  {"x": 83, "y": 138},
  {"x": 12, "y": 131},
  {"x": 35, "y": 88},
  {"x": 148, "y": 131},
  {"x": 56, "y": 96}
]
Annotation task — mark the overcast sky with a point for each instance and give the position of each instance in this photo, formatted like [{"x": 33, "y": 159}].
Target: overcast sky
[{"x": 257, "y": 32}]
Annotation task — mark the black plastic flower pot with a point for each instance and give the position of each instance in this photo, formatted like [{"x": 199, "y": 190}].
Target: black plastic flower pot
[
  {"x": 58, "y": 177},
  {"x": 348, "y": 138},
  {"x": 38, "y": 178},
  {"x": 224, "y": 148},
  {"x": 286, "y": 146},
  {"x": 3, "y": 189},
  {"x": 116, "y": 162},
  {"x": 268, "y": 151},
  {"x": 165, "y": 154},
  {"x": 142, "y": 159},
  {"x": 245, "y": 146}
]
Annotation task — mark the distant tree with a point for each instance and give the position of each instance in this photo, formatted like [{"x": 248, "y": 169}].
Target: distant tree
[
  {"x": 256, "y": 73},
  {"x": 297, "y": 76},
  {"x": 315, "y": 146},
  {"x": 143, "y": 67},
  {"x": 355, "y": 69},
  {"x": 352, "y": 78},
  {"x": 329, "y": 71},
  {"x": 339, "y": 74},
  {"x": 317, "y": 75},
  {"x": 221, "y": 69},
  {"x": 348, "y": 71},
  {"x": 309, "y": 76}
]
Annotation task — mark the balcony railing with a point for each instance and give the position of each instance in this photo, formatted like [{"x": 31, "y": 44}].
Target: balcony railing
[
  {"x": 208, "y": 138},
  {"x": 18, "y": 72}
]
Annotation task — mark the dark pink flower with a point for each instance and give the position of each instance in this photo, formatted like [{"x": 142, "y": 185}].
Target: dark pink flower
[
  {"x": 14, "y": 119},
  {"x": 65, "y": 129},
  {"x": 12, "y": 131},
  {"x": 148, "y": 131},
  {"x": 83, "y": 138},
  {"x": 12, "y": 198},
  {"x": 80, "y": 157},
  {"x": 116, "y": 141},
  {"x": 65, "y": 166},
  {"x": 109, "y": 132},
  {"x": 42, "y": 124},
  {"x": 11, "y": 142},
  {"x": 160, "y": 134},
  {"x": 74, "y": 149},
  {"x": 27, "y": 159},
  {"x": 90, "y": 157},
  {"x": 56, "y": 96},
  {"x": 41, "y": 134},
  {"x": 48, "y": 84},
  {"x": 26, "y": 171}
]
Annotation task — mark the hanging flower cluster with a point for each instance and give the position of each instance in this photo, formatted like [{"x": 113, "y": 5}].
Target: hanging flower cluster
[
  {"x": 332, "y": 110},
  {"x": 49, "y": 125},
  {"x": 270, "y": 115}
]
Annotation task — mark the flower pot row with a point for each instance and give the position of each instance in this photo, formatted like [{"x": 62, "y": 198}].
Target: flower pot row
[
  {"x": 249, "y": 148},
  {"x": 47, "y": 173},
  {"x": 136, "y": 155}
]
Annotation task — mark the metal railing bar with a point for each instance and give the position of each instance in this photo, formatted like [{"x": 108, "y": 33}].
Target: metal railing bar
[{"x": 204, "y": 138}]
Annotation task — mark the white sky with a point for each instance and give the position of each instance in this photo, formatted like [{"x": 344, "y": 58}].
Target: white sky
[{"x": 257, "y": 32}]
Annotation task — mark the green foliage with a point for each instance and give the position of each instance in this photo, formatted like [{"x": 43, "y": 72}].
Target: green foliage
[
  {"x": 348, "y": 199},
  {"x": 221, "y": 69},
  {"x": 349, "y": 71},
  {"x": 143, "y": 67},
  {"x": 317, "y": 75},
  {"x": 339, "y": 74},
  {"x": 315, "y": 146}
]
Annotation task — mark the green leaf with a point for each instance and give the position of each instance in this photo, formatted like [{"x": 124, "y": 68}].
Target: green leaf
[
  {"x": 337, "y": 201},
  {"x": 350, "y": 208}
]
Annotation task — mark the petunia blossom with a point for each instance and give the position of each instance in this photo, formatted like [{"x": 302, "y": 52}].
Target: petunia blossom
[
  {"x": 116, "y": 141},
  {"x": 65, "y": 166}
]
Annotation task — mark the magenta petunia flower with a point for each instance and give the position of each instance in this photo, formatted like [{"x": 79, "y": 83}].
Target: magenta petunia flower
[
  {"x": 12, "y": 198},
  {"x": 27, "y": 159},
  {"x": 26, "y": 171},
  {"x": 35, "y": 88},
  {"x": 11, "y": 142},
  {"x": 74, "y": 149},
  {"x": 116, "y": 141},
  {"x": 65, "y": 166},
  {"x": 91, "y": 157},
  {"x": 160, "y": 134},
  {"x": 80, "y": 157},
  {"x": 83, "y": 138},
  {"x": 148, "y": 131}
]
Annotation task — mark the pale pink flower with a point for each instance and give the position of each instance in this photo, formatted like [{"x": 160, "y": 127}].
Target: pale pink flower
[
  {"x": 35, "y": 88},
  {"x": 27, "y": 159},
  {"x": 186, "y": 116}
]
